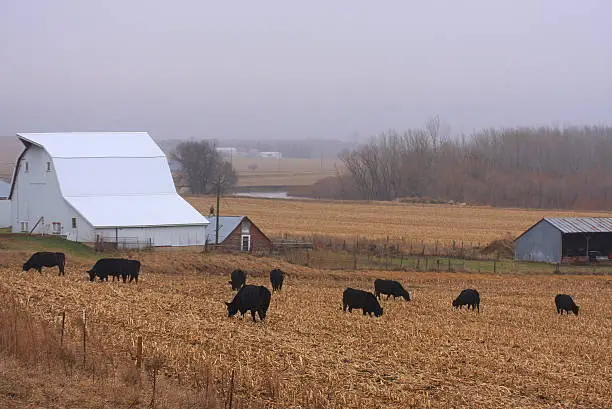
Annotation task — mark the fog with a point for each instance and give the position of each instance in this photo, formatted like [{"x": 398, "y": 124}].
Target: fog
[{"x": 317, "y": 69}]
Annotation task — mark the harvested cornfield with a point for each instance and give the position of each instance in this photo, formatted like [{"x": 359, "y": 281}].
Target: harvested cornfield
[
  {"x": 309, "y": 354},
  {"x": 379, "y": 220}
]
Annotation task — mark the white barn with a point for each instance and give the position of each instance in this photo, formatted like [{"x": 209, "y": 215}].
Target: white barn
[{"x": 109, "y": 186}]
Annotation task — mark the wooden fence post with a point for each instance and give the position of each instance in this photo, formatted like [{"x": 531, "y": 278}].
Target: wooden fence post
[
  {"x": 63, "y": 326},
  {"x": 84, "y": 336},
  {"x": 139, "y": 352}
]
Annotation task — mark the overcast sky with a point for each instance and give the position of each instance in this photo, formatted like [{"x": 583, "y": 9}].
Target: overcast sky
[{"x": 289, "y": 69}]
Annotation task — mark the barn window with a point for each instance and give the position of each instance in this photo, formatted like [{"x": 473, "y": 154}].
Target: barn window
[
  {"x": 57, "y": 228},
  {"x": 48, "y": 166},
  {"x": 27, "y": 166},
  {"x": 74, "y": 222},
  {"x": 245, "y": 242},
  {"x": 24, "y": 227}
]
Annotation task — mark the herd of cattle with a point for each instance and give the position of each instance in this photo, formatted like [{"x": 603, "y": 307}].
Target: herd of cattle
[
  {"x": 256, "y": 298},
  {"x": 115, "y": 267}
]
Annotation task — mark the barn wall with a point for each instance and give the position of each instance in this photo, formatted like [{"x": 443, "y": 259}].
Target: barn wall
[
  {"x": 5, "y": 213},
  {"x": 541, "y": 243},
  {"x": 37, "y": 194},
  {"x": 175, "y": 236}
]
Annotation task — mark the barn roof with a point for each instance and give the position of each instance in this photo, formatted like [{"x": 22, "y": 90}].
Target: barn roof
[
  {"x": 95, "y": 144},
  {"x": 227, "y": 224},
  {"x": 581, "y": 224},
  {"x": 115, "y": 178}
]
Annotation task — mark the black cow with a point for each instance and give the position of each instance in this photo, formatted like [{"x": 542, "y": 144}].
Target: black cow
[
  {"x": 391, "y": 288},
  {"x": 255, "y": 298},
  {"x": 352, "y": 298},
  {"x": 565, "y": 303},
  {"x": 469, "y": 297},
  {"x": 46, "y": 259},
  {"x": 238, "y": 279},
  {"x": 115, "y": 267},
  {"x": 276, "y": 279}
]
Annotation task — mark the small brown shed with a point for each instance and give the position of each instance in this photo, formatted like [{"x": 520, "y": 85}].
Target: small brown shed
[{"x": 237, "y": 233}]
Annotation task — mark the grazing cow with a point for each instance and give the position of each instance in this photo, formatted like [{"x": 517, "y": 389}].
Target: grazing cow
[
  {"x": 115, "y": 267},
  {"x": 352, "y": 298},
  {"x": 469, "y": 297},
  {"x": 46, "y": 259},
  {"x": 276, "y": 279},
  {"x": 238, "y": 279},
  {"x": 565, "y": 303},
  {"x": 255, "y": 298},
  {"x": 391, "y": 288}
]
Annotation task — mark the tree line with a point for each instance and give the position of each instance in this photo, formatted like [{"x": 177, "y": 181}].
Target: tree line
[{"x": 542, "y": 167}]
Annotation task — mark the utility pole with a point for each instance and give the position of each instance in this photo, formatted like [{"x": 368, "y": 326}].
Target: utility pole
[{"x": 217, "y": 214}]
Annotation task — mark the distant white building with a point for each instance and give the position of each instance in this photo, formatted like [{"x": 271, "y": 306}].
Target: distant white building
[
  {"x": 106, "y": 186},
  {"x": 227, "y": 152},
  {"x": 276, "y": 155}
]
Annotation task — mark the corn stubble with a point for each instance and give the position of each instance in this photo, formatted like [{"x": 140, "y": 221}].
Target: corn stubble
[{"x": 516, "y": 353}]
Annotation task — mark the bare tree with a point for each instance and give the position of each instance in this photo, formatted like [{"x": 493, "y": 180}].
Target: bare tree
[{"x": 203, "y": 167}]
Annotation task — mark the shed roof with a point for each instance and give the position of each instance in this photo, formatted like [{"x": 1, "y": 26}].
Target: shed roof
[
  {"x": 115, "y": 179},
  {"x": 568, "y": 225},
  {"x": 227, "y": 224},
  {"x": 5, "y": 189},
  {"x": 581, "y": 224}
]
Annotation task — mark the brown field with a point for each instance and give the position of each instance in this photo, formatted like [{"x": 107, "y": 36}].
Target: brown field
[
  {"x": 308, "y": 354},
  {"x": 377, "y": 220},
  {"x": 283, "y": 172}
]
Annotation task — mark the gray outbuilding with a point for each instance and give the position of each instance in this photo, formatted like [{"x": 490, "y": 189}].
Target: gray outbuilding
[{"x": 566, "y": 239}]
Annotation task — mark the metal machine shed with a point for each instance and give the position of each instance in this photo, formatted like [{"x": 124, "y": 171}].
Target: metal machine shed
[{"x": 558, "y": 239}]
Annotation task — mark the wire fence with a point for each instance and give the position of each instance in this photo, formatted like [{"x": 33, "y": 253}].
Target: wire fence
[{"x": 123, "y": 243}]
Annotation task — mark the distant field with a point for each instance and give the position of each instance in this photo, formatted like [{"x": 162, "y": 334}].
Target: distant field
[
  {"x": 377, "y": 220},
  {"x": 283, "y": 172}
]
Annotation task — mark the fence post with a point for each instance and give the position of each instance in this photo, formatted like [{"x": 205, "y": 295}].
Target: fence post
[
  {"x": 449, "y": 264},
  {"x": 63, "y": 326},
  {"x": 402, "y": 261},
  {"x": 426, "y": 264},
  {"x": 139, "y": 352},
  {"x": 84, "y": 336},
  {"x": 494, "y": 266}
]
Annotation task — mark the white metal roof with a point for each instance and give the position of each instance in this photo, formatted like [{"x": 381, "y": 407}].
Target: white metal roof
[
  {"x": 227, "y": 224},
  {"x": 131, "y": 211},
  {"x": 116, "y": 179},
  {"x": 96, "y": 144},
  {"x": 113, "y": 176}
]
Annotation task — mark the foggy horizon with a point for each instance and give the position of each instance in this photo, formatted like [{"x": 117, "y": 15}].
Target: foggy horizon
[{"x": 272, "y": 70}]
